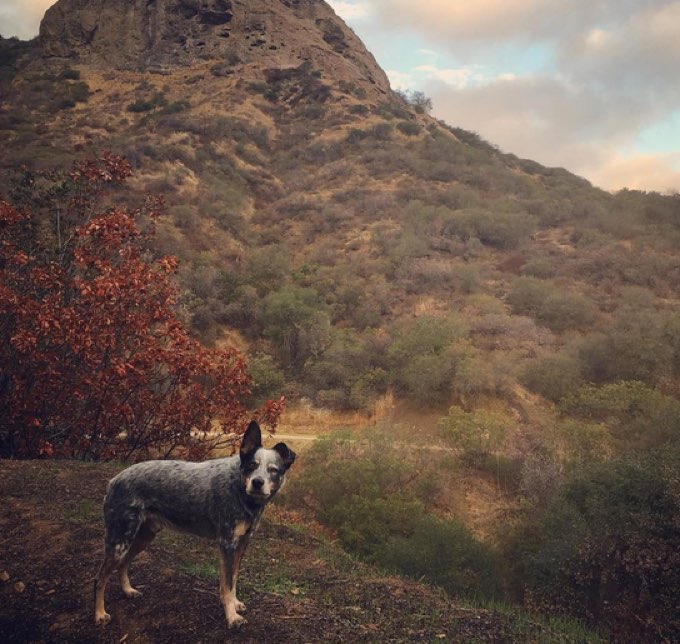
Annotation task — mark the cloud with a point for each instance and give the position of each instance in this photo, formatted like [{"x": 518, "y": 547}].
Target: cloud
[
  {"x": 400, "y": 80},
  {"x": 351, "y": 10},
  {"x": 21, "y": 18},
  {"x": 457, "y": 77},
  {"x": 660, "y": 172},
  {"x": 604, "y": 72},
  {"x": 455, "y": 23},
  {"x": 554, "y": 123}
]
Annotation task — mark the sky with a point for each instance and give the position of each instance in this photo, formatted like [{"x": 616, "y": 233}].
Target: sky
[{"x": 589, "y": 85}]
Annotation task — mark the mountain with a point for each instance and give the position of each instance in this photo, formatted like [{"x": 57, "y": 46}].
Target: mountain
[
  {"x": 506, "y": 325},
  {"x": 351, "y": 243},
  {"x": 165, "y": 35}
]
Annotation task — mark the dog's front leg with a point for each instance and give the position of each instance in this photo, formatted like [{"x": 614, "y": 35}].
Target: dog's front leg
[
  {"x": 228, "y": 568},
  {"x": 238, "y": 556}
]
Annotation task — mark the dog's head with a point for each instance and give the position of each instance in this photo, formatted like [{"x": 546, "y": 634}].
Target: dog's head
[{"x": 263, "y": 470}]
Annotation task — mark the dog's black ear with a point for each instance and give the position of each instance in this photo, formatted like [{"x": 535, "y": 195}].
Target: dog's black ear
[
  {"x": 252, "y": 439},
  {"x": 287, "y": 454}
]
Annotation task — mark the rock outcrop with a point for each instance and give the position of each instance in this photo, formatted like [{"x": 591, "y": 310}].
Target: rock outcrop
[{"x": 161, "y": 34}]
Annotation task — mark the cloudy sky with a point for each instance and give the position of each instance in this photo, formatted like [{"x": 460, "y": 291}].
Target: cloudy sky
[{"x": 589, "y": 85}]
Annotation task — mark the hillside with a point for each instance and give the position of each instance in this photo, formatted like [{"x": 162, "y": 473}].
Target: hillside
[
  {"x": 503, "y": 324},
  {"x": 298, "y": 587},
  {"x": 296, "y": 180},
  {"x": 315, "y": 213}
]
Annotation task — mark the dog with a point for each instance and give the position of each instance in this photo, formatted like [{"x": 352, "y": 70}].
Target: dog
[{"x": 222, "y": 499}]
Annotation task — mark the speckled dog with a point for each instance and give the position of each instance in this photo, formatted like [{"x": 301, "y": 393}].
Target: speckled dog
[{"x": 222, "y": 499}]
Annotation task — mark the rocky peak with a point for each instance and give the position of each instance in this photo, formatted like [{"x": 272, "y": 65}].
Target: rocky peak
[{"x": 162, "y": 34}]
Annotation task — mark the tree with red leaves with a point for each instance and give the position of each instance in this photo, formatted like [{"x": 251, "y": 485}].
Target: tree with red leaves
[{"x": 94, "y": 362}]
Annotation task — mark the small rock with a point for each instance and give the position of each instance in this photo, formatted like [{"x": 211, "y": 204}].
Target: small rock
[
  {"x": 20, "y": 586},
  {"x": 4, "y": 576}
]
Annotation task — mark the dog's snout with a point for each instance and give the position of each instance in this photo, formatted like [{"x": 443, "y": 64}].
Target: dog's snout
[{"x": 257, "y": 483}]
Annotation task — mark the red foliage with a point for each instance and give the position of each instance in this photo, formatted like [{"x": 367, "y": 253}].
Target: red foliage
[{"x": 94, "y": 362}]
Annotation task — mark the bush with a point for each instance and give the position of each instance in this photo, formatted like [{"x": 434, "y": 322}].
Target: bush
[
  {"x": 69, "y": 74},
  {"x": 409, "y": 128},
  {"x": 606, "y": 549},
  {"x": 140, "y": 105},
  {"x": 638, "y": 347},
  {"x": 637, "y": 416},
  {"x": 553, "y": 376},
  {"x": 361, "y": 110},
  {"x": 95, "y": 362},
  {"x": 499, "y": 229},
  {"x": 477, "y": 434},
  {"x": 551, "y": 307},
  {"x": 148, "y": 104},
  {"x": 423, "y": 357},
  {"x": 296, "y": 321},
  {"x": 268, "y": 381},
  {"x": 79, "y": 92},
  {"x": 370, "y": 500},
  {"x": 355, "y": 135},
  {"x": 348, "y": 374},
  {"x": 446, "y": 554}
]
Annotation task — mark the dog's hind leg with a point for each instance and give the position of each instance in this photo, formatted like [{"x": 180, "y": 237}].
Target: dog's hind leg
[
  {"x": 121, "y": 530},
  {"x": 108, "y": 566},
  {"x": 144, "y": 537}
]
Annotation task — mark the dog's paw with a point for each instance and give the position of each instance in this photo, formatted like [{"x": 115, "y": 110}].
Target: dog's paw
[
  {"x": 132, "y": 592},
  {"x": 102, "y": 619},
  {"x": 240, "y": 606},
  {"x": 236, "y": 622}
]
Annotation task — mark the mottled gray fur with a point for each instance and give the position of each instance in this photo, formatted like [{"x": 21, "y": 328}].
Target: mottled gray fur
[{"x": 222, "y": 499}]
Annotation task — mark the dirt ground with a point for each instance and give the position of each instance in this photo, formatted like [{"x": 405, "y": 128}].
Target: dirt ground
[{"x": 297, "y": 585}]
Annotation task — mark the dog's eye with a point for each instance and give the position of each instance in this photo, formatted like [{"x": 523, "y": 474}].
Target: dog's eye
[
  {"x": 252, "y": 466},
  {"x": 274, "y": 470}
]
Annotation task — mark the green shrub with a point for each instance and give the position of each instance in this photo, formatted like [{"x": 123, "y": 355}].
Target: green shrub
[
  {"x": 637, "y": 416},
  {"x": 66, "y": 104},
  {"x": 381, "y": 131},
  {"x": 79, "y": 92},
  {"x": 361, "y": 110},
  {"x": 638, "y": 347},
  {"x": 477, "y": 433},
  {"x": 409, "y": 128},
  {"x": 606, "y": 549},
  {"x": 366, "y": 491},
  {"x": 355, "y": 136},
  {"x": 296, "y": 322},
  {"x": 348, "y": 374},
  {"x": 550, "y": 306},
  {"x": 148, "y": 104},
  {"x": 500, "y": 229},
  {"x": 423, "y": 357},
  {"x": 69, "y": 74},
  {"x": 140, "y": 105},
  {"x": 446, "y": 554},
  {"x": 268, "y": 380},
  {"x": 553, "y": 376}
]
